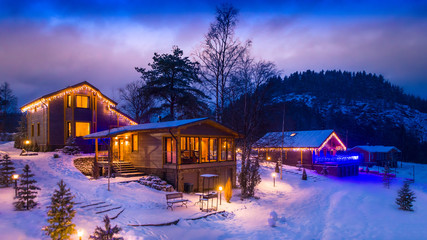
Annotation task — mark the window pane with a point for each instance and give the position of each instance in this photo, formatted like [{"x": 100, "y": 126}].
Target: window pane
[
  {"x": 213, "y": 149},
  {"x": 82, "y": 129},
  {"x": 135, "y": 142},
  {"x": 82, "y": 101},
  {"x": 204, "y": 149},
  {"x": 229, "y": 149},
  {"x": 69, "y": 100},
  {"x": 223, "y": 149}
]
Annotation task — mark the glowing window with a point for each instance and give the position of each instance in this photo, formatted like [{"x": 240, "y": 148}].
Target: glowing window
[
  {"x": 82, "y": 101},
  {"x": 69, "y": 101},
  {"x": 82, "y": 129},
  {"x": 134, "y": 142}
]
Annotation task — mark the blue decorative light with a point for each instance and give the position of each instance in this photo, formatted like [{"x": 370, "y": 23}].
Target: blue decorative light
[{"x": 339, "y": 158}]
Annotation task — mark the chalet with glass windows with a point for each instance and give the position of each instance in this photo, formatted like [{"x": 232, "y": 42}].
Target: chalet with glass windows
[
  {"x": 177, "y": 151},
  {"x": 321, "y": 150},
  {"x": 74, "y": 111}
]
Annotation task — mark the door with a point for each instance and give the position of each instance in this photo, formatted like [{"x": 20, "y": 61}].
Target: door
[{"x": 121, "y": 149}]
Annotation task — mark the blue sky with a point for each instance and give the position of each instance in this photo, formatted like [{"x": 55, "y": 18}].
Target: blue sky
[{"x": 46, "y": 45}]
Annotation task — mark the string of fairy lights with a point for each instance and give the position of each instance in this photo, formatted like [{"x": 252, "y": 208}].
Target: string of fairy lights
[
  {"x": 42, "y": 102},
  {"x": 297, "y": 149}
]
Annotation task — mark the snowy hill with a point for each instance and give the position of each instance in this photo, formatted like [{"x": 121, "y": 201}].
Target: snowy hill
[
  {"x": 319, "y": 208},
  {"x": 367, "y": 113}
]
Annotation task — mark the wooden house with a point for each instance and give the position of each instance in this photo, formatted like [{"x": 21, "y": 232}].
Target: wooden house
[
  {"x": 378, "y": 155},
  {"x": 177, "y": 151},
  {"x": 318, "y": 149},
  {"x": 74, "y": 111}
]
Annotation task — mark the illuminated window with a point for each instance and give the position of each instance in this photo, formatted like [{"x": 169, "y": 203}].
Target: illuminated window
[
  {"x": 68, "y": 129},
  {"x": 82, "y": 101},
  {"x": 169, "y": 150},
  {"x": 69, "y": 99},
  {"x": 82, "y": 129},
  {"x": 134, "y": 142},
  {"x": 38, "y": 129}
]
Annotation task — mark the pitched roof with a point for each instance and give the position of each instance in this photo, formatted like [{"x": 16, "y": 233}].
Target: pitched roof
[
  {"x": 295, "y": 139},
  {"x": 377, "y": 148},
  {"x": 64, "y": 90},
  {"x": 147, "y": 127}
]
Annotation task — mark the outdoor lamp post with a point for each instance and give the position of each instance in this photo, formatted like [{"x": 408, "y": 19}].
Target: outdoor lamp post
[
  {"x": 80, "y": 233},
  {"x": 274, "y": 179},
  {"x": 15, "y": 177},
  {"x": 220, "y": 190}
]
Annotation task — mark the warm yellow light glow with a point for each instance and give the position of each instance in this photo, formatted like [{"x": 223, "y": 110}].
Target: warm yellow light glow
[
  {"x": 44, "y": 102},
  {"x": 293, "y": 134},
  {"x": 336, "y": 137},
  {"x": 121, "y": 142},
  {"x": 27, "y": 142},
  {"x": 126, "y": 137},
  {"x": 80, "y": 233},
  {"x": 116, "y": 143},
  {"x": 82, "y": 129},
  {"x": 273, "y": 174},
  {"x": 220, "y": 188},
  {"x": 268, "y": 158},
  {"x": 116, "y": 138},
  {"x": 15, "y": 176},
  {"x": 127, "y": 142}
]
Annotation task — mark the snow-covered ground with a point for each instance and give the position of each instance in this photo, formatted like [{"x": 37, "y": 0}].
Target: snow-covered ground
[{"x": 320, "y": 208}]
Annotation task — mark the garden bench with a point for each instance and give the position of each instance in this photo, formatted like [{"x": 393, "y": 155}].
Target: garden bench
[{"x": 173, "y": 198}]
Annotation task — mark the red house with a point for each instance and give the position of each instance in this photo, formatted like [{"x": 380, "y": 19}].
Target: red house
[
  {"x": 74, "y": 111},
  {"x": 378, "y": 155},
  {"x": 321, "y": 150}
]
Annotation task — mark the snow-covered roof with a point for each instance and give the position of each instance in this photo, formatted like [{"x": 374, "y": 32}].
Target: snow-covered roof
[
  {"x": 294, "y": 139},
  {"x": 377, "y": 148},
  {"x": 144, "y": 127}
]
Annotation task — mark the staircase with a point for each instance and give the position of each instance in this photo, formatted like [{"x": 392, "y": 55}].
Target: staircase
[{"x": 126, "y": 169}]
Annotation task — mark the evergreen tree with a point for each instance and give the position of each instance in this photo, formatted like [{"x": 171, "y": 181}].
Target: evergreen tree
[
  {"x": 7, "y": 170},
  {"x": 304, "y": 174},
  {"x": 108, "y": 233},
  {"x": 386, "y": 176},
  {"x": 171, "y": 81},
  {"x": 405, "y": 198},
  {"x": 228, "y": 191},
  {"x": 21, "y": 134},
  {"x": 27, "y": 191},
  {"x": 61, "y": 214}
]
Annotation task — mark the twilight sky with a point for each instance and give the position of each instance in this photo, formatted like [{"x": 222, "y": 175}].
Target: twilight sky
[{"x": 47, "y": 45}]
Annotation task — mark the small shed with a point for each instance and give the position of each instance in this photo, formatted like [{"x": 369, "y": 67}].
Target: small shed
[{"x": 378, "y": 155}]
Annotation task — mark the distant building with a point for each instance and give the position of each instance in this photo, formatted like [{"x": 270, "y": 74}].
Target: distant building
[
  {"x": 378, "y": 155},
  {"x": 318, "y": 149},
  {"x": 74, "y": 111},
  {"x": 177, "y": 151}
]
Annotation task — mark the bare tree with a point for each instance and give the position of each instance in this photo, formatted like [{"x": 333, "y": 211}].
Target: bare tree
[
  {"x": 220, "y": 53},
  {"x": 135, "y": 102},
  {"x": 250, "y": 85}
]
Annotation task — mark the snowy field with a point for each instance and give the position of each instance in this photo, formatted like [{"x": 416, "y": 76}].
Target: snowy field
[{"x": 319, "y": 208}]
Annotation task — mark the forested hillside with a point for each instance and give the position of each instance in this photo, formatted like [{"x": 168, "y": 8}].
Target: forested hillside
[{"x": 363, "y": 108}]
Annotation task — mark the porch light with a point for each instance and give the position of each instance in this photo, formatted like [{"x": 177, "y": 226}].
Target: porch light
[
  {"x": 27, "y": 142},
  {"x": 268, "y": 158}
]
